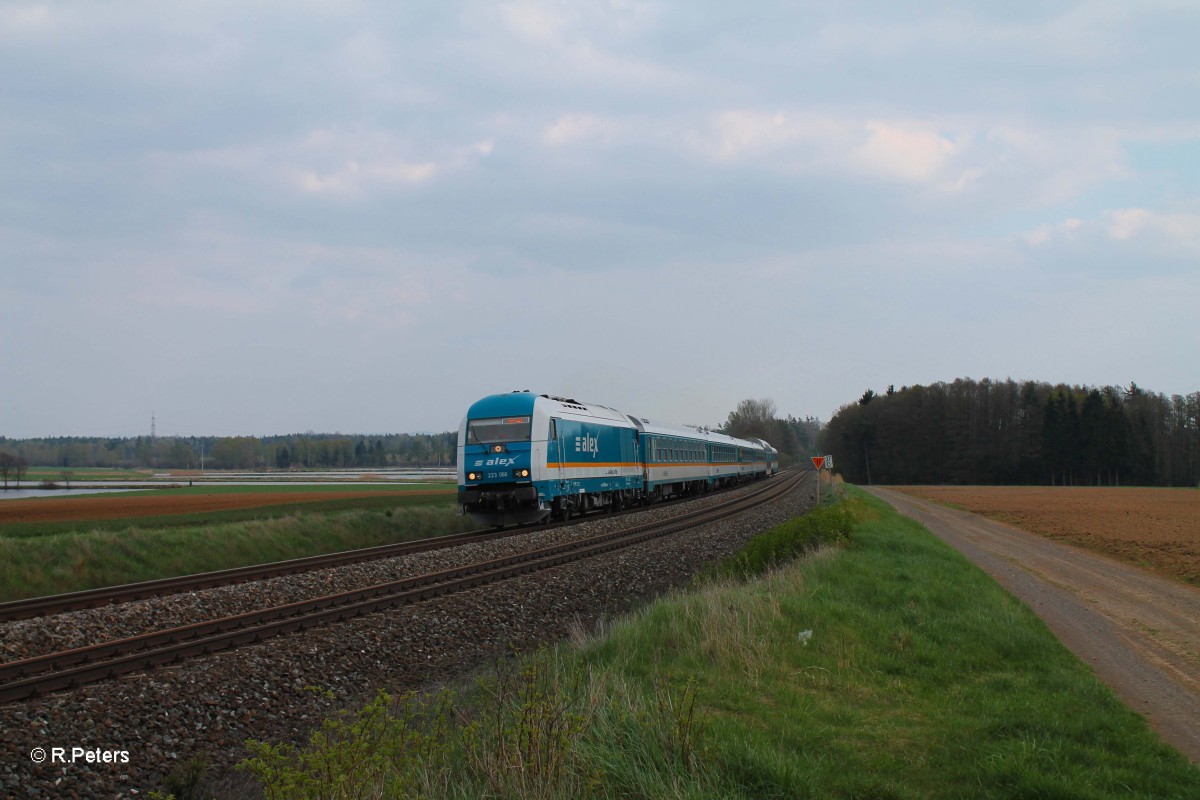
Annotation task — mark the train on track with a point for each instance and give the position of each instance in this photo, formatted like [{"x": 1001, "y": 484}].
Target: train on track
[{"x": 525, "y": 458}]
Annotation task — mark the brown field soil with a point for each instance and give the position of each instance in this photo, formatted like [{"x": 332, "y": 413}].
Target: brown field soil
[
  {"x": 71, "y": 509},
  {"x": 1154, "y": 528}
]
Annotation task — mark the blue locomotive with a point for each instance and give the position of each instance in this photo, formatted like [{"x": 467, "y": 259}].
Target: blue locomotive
[{"x": 525, "y": 458}]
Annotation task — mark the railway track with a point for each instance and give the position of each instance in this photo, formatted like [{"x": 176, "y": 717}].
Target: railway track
[
  {"x": 125, "y": 593},
  {"x": 64, "y": 670}
]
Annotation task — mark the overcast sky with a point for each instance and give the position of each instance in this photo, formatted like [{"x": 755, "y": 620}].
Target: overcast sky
[{"x": 270, "y": 217}]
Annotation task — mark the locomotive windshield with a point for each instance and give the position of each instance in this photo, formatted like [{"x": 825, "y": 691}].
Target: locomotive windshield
[{"x": 500, "y": 429}]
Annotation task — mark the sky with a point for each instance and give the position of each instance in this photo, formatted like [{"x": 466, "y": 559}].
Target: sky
[{"x": 274, "y": 217}]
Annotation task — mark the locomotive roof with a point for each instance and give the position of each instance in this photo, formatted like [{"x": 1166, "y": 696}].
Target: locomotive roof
[{"x": 567, "y": 407}]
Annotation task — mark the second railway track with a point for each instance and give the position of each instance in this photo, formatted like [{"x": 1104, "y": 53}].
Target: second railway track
[{"x": 57, "y": 671}]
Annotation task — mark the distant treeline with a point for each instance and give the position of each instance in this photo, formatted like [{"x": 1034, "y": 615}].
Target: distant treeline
[
  {"x": 792, "y": 437},
  {"x": 238, "y": 452},
  {"x": 991, "y": 432}
]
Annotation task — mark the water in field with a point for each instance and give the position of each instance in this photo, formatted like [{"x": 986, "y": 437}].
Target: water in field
[
  {"x": 328, "y": 476},
  {"x": 25, "y": 493},
  {"x": 370, "y": 477}
]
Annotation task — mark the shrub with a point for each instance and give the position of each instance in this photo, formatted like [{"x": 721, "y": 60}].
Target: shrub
[{"x": 826, "y": 525}]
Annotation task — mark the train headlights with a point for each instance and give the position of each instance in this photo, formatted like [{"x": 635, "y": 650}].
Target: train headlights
[{"x": 516, "y": 473}]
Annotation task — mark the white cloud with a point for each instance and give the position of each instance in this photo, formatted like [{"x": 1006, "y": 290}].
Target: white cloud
[
  {"x": 1176, "y": 232},
  {"x": 744, "y": 134},
  {"x": 331, "y": 161},
  {"x": 354, "y": 178},
  {"x": 1155, "y": 233},
  {"x": 575, "y": 128},
  {"x": 1045, "y": 234},
  {"x": 1127, "y": 222},
  {"x": 576, "y": 44},
  {"x": 1004, "y": 160},
  {"x": 538, "y": 22},
  {"x": 893, "y": 150},
  {"x": 22, "y": 19},
  {"x": 1088, "y": 30},
  {"x": 904, "y": 152}
]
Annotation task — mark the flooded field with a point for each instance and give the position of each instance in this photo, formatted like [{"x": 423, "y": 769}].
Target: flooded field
[{"x": 116, "y": 483}]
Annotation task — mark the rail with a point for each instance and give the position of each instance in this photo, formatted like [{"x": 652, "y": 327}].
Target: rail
[{"x": 71, "y": 668}]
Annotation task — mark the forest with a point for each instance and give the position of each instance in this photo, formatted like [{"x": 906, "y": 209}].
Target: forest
[{"x": 1004, "y": 432}]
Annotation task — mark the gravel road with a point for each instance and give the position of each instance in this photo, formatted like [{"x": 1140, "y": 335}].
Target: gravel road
[{"x": 1139, "y": 632}]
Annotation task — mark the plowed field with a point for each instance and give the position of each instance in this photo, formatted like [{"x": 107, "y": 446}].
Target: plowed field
[
  {"x": 1154, "y": 528},
  {"x": 99, "y": 507}
]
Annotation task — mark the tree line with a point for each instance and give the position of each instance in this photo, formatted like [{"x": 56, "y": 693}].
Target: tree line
[
  {"x": 294, "y": 451},
  {"x": 794, "y": 438},
  {"x": 1004, "y": 432}
]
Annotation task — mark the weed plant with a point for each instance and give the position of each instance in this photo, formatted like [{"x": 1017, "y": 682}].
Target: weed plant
[
  {"x": 539, "y": 728},
  {"x": 825, "y": 525}
]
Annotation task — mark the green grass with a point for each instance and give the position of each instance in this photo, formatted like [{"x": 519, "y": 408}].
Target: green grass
[
  {"x": 38, "y": 474},
  {"x": 75, "y": 559},
  {"x": 922, "y": 678}
]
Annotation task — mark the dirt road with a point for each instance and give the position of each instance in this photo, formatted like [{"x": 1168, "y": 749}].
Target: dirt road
[{"x": 1138, "y": 631}]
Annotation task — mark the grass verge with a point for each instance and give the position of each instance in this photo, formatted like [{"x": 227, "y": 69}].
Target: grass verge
[
  {"x": 72, "y": 559},
  {"x": 889, "y": 667}
]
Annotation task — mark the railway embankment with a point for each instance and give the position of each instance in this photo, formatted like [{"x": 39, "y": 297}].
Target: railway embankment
[{"x": 887, "y": 667}]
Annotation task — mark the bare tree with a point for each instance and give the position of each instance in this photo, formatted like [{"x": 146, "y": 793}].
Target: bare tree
[
  {"x": 7, "y": 464},
  {"x": 752, "y": 418}
]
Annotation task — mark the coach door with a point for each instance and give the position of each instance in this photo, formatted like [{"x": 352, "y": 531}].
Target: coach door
[{"x": 556, "y": 467}]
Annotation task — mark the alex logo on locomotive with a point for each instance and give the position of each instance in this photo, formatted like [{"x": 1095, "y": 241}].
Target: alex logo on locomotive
[
  {"x": 587, "y": 444},
  {"x": 495, "y": 462}
]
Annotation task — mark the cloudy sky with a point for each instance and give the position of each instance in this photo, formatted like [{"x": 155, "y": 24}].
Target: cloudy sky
[{"x": 271, "y": 217}]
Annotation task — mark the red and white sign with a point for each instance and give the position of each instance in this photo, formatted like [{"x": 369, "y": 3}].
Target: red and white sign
[{"x": 818, "y": 461}]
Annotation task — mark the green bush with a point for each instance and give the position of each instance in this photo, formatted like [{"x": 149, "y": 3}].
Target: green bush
[{"x": 826, "y": 525}]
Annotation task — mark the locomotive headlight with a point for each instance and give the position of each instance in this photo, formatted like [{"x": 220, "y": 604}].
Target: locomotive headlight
[
  {"x": 473, "y": 476},
  {"x": 521, "y": 473}
]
